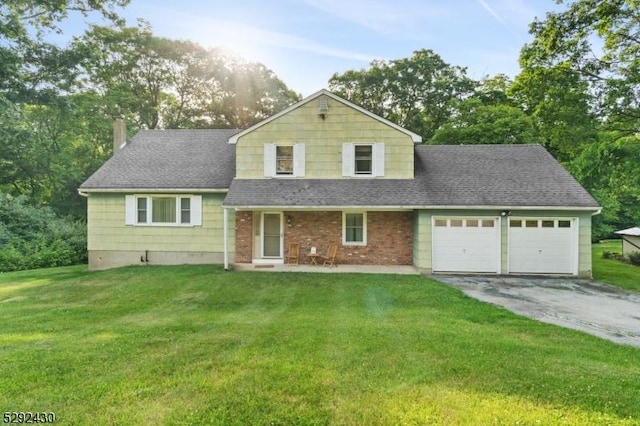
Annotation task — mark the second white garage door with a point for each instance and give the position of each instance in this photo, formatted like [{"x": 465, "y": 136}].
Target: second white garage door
[
  {"x": 466, "y": 245},
  {"x": 543, "y": 246}
]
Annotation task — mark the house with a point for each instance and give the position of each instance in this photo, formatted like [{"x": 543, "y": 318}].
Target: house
[
  {"x": 325, "y": 171},
  {"x": 630, "y": 241}
]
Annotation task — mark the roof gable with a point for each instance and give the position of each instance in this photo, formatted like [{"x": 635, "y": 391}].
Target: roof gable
[{"x": 414, "y": 137}]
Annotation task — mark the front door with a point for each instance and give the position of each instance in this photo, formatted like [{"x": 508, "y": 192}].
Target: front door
[{"x": 272, "y": 235}]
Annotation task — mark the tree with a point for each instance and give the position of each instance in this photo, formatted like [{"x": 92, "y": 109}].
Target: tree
[
  {"x": 418, "y": 93},
  {"x": 161, "y": 83},
  {"x": 476, "y": 123},
  {"x": 559, "y": 104},
  {"x": 599, "y": 41}
]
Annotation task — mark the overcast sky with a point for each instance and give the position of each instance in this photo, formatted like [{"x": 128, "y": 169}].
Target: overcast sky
[{"x": 305, "y": 41}]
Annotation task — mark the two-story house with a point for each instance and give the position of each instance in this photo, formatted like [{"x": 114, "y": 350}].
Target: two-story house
[{"x": 327, "y": 172}]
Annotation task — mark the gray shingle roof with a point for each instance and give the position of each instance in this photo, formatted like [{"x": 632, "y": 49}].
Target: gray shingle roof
[
  {"x": 467, "y": 175},
  {"x": 445, "y": 175},
  {"x": 170, "y": 159}
]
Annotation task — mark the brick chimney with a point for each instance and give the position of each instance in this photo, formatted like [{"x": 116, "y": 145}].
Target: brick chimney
[{"x": 119, "y": 134}]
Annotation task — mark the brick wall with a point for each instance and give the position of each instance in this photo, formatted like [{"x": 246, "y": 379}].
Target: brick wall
[
  {"x": 244, "y": 237},
  {"x": 389, "y": 237}
]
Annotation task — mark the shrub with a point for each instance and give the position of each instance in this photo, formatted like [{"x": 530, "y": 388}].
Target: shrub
[
  {"x": 35, "y": 237},
  {"x": 634, "y": 258}
]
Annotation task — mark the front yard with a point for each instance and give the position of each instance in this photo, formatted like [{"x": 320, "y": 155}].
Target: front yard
[{"x": 196, "y": 345}]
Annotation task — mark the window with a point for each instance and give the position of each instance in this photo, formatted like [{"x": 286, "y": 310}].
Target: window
[
  {"x": 163, "y": 210},
  {"x": 456, "y": 223},
  {"x": 441, "y": 223},
  {"x": 548, "y": 223},
  {"x": 142, "y": 210},
  {"x": 515, "y": 224},
  {"x": 488, "y": 223},
  {"x": 284, "y": 159},
  {"x": 531, "y": 223},
  {"x": 363, "y": 159},
  {"x": 564, "y": 224},
  {"x": 185, "y": 210},
  {"x": 354, "y": 228}
]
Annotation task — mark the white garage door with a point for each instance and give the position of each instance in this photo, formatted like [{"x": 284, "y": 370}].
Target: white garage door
[
  {"x": 542, "y": 246},
  {"x": 466, "y": 245}
]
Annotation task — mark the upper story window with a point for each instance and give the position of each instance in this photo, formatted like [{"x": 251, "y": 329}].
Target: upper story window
[
  {"x": 363, "y": 159},
  {"x": 162, "y": 210},
  {"x": 282, "y": 160}
]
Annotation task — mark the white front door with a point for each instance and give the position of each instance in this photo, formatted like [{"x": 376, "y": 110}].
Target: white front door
[
  {"x": 543, "y": 246},
  {"x": 469, "y": 244},
  {"x": 271, "y": 235}
]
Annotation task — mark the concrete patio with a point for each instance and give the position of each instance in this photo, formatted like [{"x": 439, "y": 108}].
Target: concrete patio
[{"x": 362, "y": 269}]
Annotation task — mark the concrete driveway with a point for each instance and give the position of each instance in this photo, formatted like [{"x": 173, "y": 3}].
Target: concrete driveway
[{"x": 599, "y": 309}]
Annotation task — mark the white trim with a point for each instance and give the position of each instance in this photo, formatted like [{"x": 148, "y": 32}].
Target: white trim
[
  {"x": 225, "y": 238},
  {"x": 344, "y": 229},
  {"x": 195, "y": 210},
  {"x": 410, "y": 207},
  {"x": 414, "y": 137},
  {"x": 158, "y": 190}
]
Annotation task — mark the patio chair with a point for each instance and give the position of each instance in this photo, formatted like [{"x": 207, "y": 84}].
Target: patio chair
[
  {"x": 330, "y": 257},
  {"x": 293, "y": 253}
]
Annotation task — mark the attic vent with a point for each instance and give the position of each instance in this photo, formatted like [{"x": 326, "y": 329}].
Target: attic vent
[{"x": 323, "y": 108}]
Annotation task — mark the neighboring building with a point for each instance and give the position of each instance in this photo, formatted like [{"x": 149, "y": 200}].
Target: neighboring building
[
  {"x": 630, "y": 241},
  {"x": 325, "y": 171}
]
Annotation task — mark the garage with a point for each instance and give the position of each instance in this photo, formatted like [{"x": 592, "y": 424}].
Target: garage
[
  {"x": 466, "y": 245},
  {"x": 543, "y": 246}
]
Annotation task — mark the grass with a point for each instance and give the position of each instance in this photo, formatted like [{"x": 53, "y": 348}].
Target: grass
[
  {"x": 197, "y": 345},
  {"x": 613, "y": 271}
]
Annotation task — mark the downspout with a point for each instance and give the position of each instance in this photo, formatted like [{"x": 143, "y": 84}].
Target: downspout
[{"x": 225, "y": 237}]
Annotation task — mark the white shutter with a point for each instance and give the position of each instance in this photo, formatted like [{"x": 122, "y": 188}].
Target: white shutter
[
  {"x": 130, "y": 209},
  {"x": 269, "y": 160},
  {"x": 378, "y": 159},
  {"x": 196, "y": 210},
  {"x": 298, "y": 159},
  {"x": 348, "y": 159}
]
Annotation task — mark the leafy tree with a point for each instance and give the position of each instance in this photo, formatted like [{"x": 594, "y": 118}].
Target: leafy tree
[
  {"x": 559, "y": 103},
  {"x": 418, "y": 93},
  {"x": 600, "y": 42},
  {"x": 610, "y": 171},
  {"x": 476, "y": 123},
  {"x": 158, "y": 83}
]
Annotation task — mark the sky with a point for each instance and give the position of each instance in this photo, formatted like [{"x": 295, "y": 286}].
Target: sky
[{"x": 306, "y": 41}]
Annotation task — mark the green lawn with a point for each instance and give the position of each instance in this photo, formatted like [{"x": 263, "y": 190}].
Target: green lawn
[
  {"x": 197, "y": 345},
  {"x": 613, "y": 271}
]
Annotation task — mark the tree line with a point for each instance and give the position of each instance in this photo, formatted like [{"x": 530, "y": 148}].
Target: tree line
[{"x": 57, "y": 103}]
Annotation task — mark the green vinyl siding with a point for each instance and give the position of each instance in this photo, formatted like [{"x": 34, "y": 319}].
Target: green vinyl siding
[
  {"x": 422, "y": 255},
  {"x": 107, "y": 229},
  {"x": 323, "y": 140}
]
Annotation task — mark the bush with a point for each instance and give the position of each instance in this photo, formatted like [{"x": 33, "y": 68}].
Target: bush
[
  {"x": 634, "y": 258},
  {"x": 35, "y": 237}
]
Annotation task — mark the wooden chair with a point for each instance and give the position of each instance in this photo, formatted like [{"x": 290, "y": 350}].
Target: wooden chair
[
  {"x": 293, "y": 253},
  {"x": 330, "y": 257}
]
